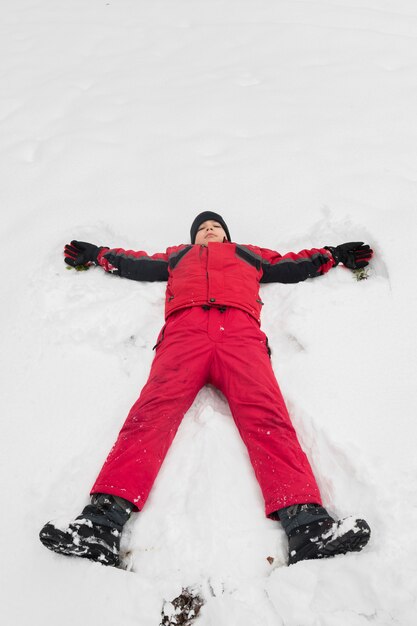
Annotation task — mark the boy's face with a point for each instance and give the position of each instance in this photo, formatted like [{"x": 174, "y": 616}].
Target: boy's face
[{"x": 210, "y": 231}]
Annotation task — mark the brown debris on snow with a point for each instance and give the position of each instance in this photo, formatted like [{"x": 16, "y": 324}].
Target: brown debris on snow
[{"x": 182, "y": 610}]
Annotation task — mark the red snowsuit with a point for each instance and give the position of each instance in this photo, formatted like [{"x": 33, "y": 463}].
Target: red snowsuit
[{"x": 212, "y": 335}]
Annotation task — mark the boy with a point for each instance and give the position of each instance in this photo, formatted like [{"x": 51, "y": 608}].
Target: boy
[{"x": 212, "y": 335}]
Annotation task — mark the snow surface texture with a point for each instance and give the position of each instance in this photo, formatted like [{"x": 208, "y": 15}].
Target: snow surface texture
[{"x": 119, "y": 121}]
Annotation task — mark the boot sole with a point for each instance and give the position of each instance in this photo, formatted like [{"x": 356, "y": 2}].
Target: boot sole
[
  {"x": 61, "y": 542},
  {"x": 332, "y": 544},
  {"x": 352, "y": 541}
]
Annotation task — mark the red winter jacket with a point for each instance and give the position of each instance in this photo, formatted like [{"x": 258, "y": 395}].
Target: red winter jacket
[{"x": 216, "y": 274}]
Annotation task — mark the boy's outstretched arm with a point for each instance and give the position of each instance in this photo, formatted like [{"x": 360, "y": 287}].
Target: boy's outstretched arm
[
  {"x": 295, "y": 267},
  {"x": 136, "y": 265}
]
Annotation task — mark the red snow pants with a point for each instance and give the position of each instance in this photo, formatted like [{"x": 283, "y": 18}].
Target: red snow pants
[{"x": 227, "y": 349}]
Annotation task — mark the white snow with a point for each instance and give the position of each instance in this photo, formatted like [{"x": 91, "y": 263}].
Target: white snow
[{"x": 120, "y": 120}]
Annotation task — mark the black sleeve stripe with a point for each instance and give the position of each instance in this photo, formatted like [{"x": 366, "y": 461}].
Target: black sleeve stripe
[
  {"x": 250, "y": 257},
  {"x": 176, "y": 257},
  {"x": 293, "y": 270},
  {"x": 139, "y": 268}
]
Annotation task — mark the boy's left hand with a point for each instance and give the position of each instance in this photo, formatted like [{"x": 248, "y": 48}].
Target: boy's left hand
[{"x": 353, "y": 255}]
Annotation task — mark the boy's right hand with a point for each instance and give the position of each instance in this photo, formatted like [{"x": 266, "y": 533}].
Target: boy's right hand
[{"x": 80, "y": 253}]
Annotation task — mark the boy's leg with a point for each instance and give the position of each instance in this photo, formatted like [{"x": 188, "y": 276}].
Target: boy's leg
[
  {"x": 243, "y": 371},
  {"x": 179, "y": 370}
]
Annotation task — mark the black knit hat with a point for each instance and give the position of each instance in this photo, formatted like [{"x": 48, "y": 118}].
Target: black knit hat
[{"x": 203, "y": 217}]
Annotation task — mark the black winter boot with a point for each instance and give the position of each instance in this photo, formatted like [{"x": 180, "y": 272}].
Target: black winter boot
[
  {"x": 95, "y": 534},
  {"x": 314, "y": 534}
]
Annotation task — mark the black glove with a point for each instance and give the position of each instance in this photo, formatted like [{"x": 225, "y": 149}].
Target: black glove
[
  {"x": 81, "y": 253},
  {"x": 354, "y": 255}
]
